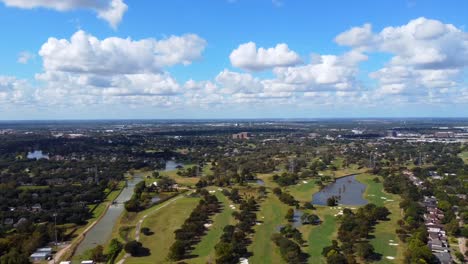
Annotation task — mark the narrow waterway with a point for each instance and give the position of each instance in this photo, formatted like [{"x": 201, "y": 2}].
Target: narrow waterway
[
  {"x": 347, "y": 189},
  {"x": 102, "y": 231}
]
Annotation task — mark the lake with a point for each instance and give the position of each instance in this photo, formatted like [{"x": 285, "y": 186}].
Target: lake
[
  {"x": 102, "y": 231},
  {"x": 347, "y": 188},
  {"x": 172, "y": 165},
  {"x": 37, "y": 154}
]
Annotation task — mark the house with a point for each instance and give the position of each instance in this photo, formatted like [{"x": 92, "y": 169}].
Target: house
[{"x": 36, "y": 208}]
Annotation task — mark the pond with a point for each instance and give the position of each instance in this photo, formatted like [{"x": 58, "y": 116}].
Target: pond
[
  {"x": 297, "y": 222},
  {"x": 172, "y": 165},
  {"x": 348, "y": 189},
  {"x": 37, "y": 154},
  {"x": 102, "y": 231}
]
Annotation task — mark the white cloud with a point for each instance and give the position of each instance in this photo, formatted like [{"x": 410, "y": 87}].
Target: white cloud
[
  {"x": 422, "y": 43},
  {"x": 248, "y": 57},
  {"x": 84, "y": 53},
  {"x": 356, "y": 36},
  {"x": 14, "y": 91},
  {"x": 325, "y": 72},
  {"x": 25, "y": 56},
  {"x": 234, "y": 82},
  {"x": 111, "y": 11}
]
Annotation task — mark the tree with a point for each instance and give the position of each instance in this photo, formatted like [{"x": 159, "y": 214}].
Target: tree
[
  {"x": 290, "y": 215},
  {"x": 364, "y": 250},
  {"x": 332, "y": 201},
  {"x": 133, "y": 247},
  {"x": 177, "y": 250},
  {"x": 97, "y": 254}
]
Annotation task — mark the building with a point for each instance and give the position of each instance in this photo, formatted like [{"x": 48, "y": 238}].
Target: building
[
  {"x": 39, "y": 256},
  {"x": 241, "y": 135},
  {"x": 87, "y": 262},
  {"x": 444, "y": 134}
]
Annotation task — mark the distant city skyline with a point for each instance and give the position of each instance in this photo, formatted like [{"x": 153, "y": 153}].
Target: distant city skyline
[{"x": 121, "y": 59}]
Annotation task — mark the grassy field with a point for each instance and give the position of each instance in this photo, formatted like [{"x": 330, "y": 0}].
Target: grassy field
[
  {"x": 384, "y": 231},
  {"x": 33, "y": 187},
  {"x": 205, "y": 249},
  {"x": 303, "y": 191},
  {"x": 185, "y": 181},
  {"x": 163, "y": 223},
  {"x": 272, "y": 213},
  {"x": 320, "y": 236},
  {"x": 464, "y": 156}
]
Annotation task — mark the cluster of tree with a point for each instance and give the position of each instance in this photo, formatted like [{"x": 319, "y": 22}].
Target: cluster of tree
[
  {"x": 233, "y": 195},
  {"x": 19, "y": 245},
  {"x": 136, "y": 248},
  {"x": 235, "y": 239},
  {"x": 290, "y": 251},
  {"x": 285, "y": 197},
  {"x": 193, "y": 171},
  {"x": 143, "y": 195},
  {"x": 286, "y": 179},
  {"x": 310, "y": 219},
  {"x": 411, "y": 228},
  {"x": 353, "y": 233},
  {"x": 115, "y": 247},
  {"x": 194, "y": 226},
  {"x": 289, "y": 231}
]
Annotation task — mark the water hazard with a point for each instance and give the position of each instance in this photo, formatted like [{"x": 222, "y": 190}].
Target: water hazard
[{"x": 348, "y": 190}]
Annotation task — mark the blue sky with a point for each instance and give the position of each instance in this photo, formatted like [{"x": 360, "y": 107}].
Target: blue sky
[{"x": 232, "y": 58}]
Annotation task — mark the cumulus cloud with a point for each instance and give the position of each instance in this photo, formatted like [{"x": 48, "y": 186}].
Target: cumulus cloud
[
  {"x": 428, "y": 58},
  {"x": 14, "y": 91},
  {"x": 111, "y": 11},
  {"x": 84, "y": 53},
  {"x": 85, "y": 69},
  {"x": 248, "y": 57},
  {"x": 25, "y": 56}
]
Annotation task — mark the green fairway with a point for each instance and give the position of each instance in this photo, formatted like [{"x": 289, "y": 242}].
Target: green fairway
[
  {"x": 319, "y": 236},
  {"x": 163, "y": 223},
  {"x": 205, "y": 249},
  {"x": 303, "y": 191},
  {"x": 385, "y": 242},
  {"x": 272, "y": 213}
]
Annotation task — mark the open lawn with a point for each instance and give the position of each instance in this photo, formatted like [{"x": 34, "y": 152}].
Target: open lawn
[
  {"x": 464, "y": 156},
  {"x": 185, "y": 181},
  {"x": 163, "y": 223},
  {"x": 205, "y": 249},
  {"x": 271, "y": 214},
  {"x": 303, "y": 191},
  {"x": 384, "y": 234}
]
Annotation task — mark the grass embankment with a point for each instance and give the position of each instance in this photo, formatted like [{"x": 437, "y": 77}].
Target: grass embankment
[
  {"x": 271, "y": 214},
  {"x": 98, "y": 211},
  {"x": 162, "y": 223},
  {"x": 385, "y": 240},
  {"x": 204, "y": 251}
]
